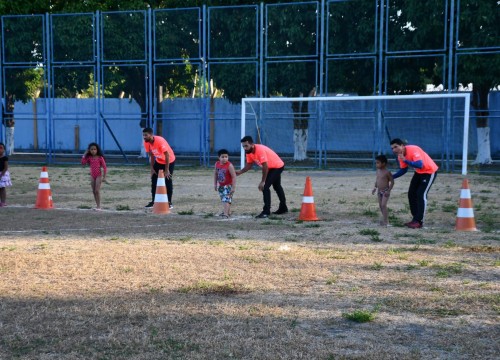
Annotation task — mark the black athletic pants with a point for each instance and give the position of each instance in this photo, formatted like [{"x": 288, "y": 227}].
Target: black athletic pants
[
  {"x": 168, "y": 182},
  {"x": 273, "y": 178},
  {"x": 417, "y": 194}
]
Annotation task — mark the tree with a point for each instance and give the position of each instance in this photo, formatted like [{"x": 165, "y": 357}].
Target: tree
[
  {"x": 413, "y": 26},
  {"x": 351, "y": 70},
  {"x": 291, "y": 37},
  {"x": 24, "y": 82},
  {"x": 479, "y": 31}
]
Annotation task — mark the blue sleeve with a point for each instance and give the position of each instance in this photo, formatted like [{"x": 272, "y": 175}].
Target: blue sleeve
[
  {"x": 400, "y": 172},
  {"x": 415, "y": 164}
]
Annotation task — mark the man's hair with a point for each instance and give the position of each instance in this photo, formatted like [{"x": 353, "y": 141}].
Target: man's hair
[
  {"x": 397, "y": 141},
  {"x": 381, "y": 158},
  {"x": 148, "y": 130},
  {"x": 222, "y": 152},
  {"x": 248, "y": 139}
]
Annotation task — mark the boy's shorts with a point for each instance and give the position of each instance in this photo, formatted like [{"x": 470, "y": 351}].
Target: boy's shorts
[
  {"x": 225, "y": 194},
  {"x": 383, "y": 193}
]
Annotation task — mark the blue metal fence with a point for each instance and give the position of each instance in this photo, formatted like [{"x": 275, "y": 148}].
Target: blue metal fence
[{"x": 102, "y": 76}]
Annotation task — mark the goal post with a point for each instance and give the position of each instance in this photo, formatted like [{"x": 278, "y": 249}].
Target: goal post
[{"x": 349, "y": 131}]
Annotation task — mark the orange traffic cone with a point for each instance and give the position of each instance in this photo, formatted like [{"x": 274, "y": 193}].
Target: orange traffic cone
[
  {"x": 161, "y": 205},
  {"x": 308, "y": 210},
  {"x": 44, "y": 195},
  {"x": 465, "y": 213}
]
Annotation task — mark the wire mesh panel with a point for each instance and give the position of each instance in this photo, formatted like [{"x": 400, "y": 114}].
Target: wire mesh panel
[
  {"x": 177, "y": 34},
  {"x": 123, "y": 103},
  {"x": 228, "y": 82},
  {"x": 478, "y": 24},
  {"x": 73, "y": 38},
  {"x": 291, "y": 78},
  {"x": 73, "y": 109},
  {"x": 283, "y": 39},
  {"x": 124, "y": 36},
  {"x": 416, "y": 72},
  {"x": 233, "y": 72},
  {"x": 23, "y": 39},
  {"x": 184, "y": 71},
  {"x": 233, "y": 32},
  {"x": 180, "y": 107},
  {"x": 415, "y": 25},
  {"x": 351, "y": 76},
  {"x": 343, "y": 17}
]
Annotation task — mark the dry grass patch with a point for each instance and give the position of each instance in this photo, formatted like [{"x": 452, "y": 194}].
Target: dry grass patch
[{"x": 126, "y": 284}]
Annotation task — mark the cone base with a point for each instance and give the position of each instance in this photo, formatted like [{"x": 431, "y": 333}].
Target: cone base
[
  {"x": 43, "y": 208},
  {"x": 465, "y": 225},
  {"x": 316, "y": 219},
  {"x": 161, "y": 208},
  {"x": 469, "y": 229},
  {"x": 44, "y": 202},
  {"x": 308, "y": 213}
]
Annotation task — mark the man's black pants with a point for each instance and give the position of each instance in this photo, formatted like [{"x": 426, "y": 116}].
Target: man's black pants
[
  {"x": 417, "y": 194},
  {"x": 168, "y": 182},
  {"x": 274, "y": 179}
]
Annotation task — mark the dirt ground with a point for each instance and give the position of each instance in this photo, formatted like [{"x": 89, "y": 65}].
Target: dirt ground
[
  {"x": 124, "y": 283},
  {"x": 343, "y": 201}
]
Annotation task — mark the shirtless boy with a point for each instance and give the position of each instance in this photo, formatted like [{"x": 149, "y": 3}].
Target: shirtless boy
[{"x": 383, "y": 186}]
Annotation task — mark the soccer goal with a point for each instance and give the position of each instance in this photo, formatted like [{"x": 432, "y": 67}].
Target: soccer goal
[{"x": 347, "y": 132}]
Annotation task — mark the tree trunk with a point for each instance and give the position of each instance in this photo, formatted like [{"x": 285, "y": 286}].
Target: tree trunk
[
  {"x": 300, "y": 144},
  {"x": 480, "y": 104},
  {"x": 300, "y": 127},
  {"x": 213, "y": 95}
]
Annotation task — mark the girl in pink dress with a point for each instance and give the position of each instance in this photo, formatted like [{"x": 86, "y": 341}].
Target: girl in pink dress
[{"x": 94, "y": 157}]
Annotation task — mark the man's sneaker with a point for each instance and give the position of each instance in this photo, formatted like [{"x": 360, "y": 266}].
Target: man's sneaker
[
  {"x": 409, "y": 222},
  {"x": 415, "y": 225},
  {"x": 150, "y": 205},
  {"x": 281, "y": 210},
  {"x": 170, "y": 205},
  {"x": 262, "y": 215}
]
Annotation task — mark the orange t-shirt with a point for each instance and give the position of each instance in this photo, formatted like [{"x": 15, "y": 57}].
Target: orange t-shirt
[
  {"x": 158, "y": 149},
  {"x": 414, "y": 153},
  {"x": 264, "y": 154}
]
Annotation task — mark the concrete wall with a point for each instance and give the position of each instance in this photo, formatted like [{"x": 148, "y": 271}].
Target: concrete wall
[{"x": 185, "y": 124}]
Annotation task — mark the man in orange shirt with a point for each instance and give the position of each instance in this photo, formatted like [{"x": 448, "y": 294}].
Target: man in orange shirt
[
  {"x": 272, "y": 167},
  {"x": 425, "y": 174},
  {"x": 161, "y": 157}
]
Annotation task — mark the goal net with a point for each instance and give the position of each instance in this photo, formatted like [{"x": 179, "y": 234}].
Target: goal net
[{"x": 347, "y": 132}]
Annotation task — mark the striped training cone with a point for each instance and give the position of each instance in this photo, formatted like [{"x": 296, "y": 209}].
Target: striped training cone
[
  {"x": 308, "y": 210},
  {"x": 161, "y": 205},
  {"x": 44, "y": 195},
  {"x": 465, "y": 214}
]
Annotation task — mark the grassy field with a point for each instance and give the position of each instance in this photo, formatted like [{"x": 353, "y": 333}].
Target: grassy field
[{"x": 127, "y": 284}]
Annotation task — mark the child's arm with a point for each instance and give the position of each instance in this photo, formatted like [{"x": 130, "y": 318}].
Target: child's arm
[
  {"x": 232, "y": 171},
  {"x": 374, "y": 187},
  {"x": 85, "y": 160},
  {"x": 215, "y": 178},
  {"x": 104, "y": 168},
  {"x": 390, "y": 179},
  {"x": 390, "y": 182}
]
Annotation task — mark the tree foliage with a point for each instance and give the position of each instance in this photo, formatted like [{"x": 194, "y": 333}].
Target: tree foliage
[{"x": 291, "y": 46}]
